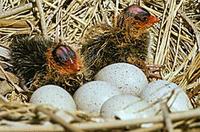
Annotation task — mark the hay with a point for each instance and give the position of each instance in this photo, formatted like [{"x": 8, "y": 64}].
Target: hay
[
  {"x": 175, "y": 44},
  {"x": 25, "y": 117}
]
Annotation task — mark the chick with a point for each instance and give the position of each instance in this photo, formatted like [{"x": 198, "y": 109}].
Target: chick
[
  {"x": 127, "y": 41},
  {"x": 39, "y": 61}
]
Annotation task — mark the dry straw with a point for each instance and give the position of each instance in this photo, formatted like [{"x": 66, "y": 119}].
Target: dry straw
[{"x": 175, "y": 44}]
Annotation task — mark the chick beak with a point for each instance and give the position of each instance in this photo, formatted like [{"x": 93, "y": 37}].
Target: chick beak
[
  {"x": 75, "y": 67},
  {"x": 78, "y": 68},
  {"x": 152, "y": 20}
]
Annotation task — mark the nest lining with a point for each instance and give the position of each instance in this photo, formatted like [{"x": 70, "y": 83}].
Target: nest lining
[{"x": 175, "y": 40}]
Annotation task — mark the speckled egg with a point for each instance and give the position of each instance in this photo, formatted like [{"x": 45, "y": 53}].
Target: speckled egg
[
  {"x": 162, "y": 90},
  {"x": 55, "y": 96},
  {"x": 92, "y": 95},
  {"x": 128, "y": 78},
  {"x": 136, "y": 110},
  {"x": 117, "y": 103}
]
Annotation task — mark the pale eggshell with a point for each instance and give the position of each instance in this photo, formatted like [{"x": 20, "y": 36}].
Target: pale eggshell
[
  {"x": 128, "y": 78},
  {"x": 55, "y": 96},
  {"x": 162, "y": 90},
  {"x": 92, "y": 95},
  {"x": 137, "y": 110},
  {"x": 117, "y": 103}
]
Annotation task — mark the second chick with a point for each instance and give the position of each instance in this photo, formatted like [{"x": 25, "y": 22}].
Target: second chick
[{"x": 127, "y": 41}]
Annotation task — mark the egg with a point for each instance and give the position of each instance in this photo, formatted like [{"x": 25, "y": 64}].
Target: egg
[
  {"x": 128, "y": 78},
  {"x": 117, "y": 103},
  {"x": 90, "y": 96},
  {"x": 162, "y": 90},
  {"x": 136, "y": 110},
  {"x": 55, "y": 96}
]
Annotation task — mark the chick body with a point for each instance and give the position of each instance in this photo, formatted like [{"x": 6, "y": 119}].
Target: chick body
[
  {"x": 34, "y": 62},
  {"x": 112, "y": 46},
  {"x": 128, "y": 41}
]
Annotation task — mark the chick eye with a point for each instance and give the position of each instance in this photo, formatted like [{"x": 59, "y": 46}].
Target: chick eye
[
  {"x": 63, "y": 54},
  {"x": 141, "y": 17}
]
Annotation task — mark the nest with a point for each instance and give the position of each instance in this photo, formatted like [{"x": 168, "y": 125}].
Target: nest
[{"x": 175, "y": 44}]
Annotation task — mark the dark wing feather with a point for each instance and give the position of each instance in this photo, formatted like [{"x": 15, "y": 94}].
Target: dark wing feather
[{"x": 28, "y": 55}]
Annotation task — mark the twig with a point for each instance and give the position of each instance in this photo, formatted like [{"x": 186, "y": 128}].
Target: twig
[
  {"x": 116, "y": 12},
  {"x": 154, "y": 128},
  {"x": 55, "y": 12},
  {"x": 22, "y": 110},
  {"x": 164, "y": 44},
  {"x": 61, "y": 27},
  {"x": 178, "y": 44},
  {"x": 49, "y": 4},
  {"x": 1, "y": 6},
  {"x": 57, "y": 28},
  {"x": 33, "y": 128},
  {"x": 59, "y": 120},
  {"x": 11, "y": 23},
  {"x": 16, "y": 11},
  {"x": 166, "y": 117},
  {"x": 113, "y": 124},
  {"x": 58, "y": 20},
  {"x": 160, "y": 33},
  {"x": 42, "y": 17},
  {"x": 195, "y": 124},
  {"x": 196, "y": 32},
  {"x": 134, "y": 122},
  {"x": 105, "y": 125}
]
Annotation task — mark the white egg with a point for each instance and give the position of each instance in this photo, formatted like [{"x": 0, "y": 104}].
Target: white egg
[
  {"x": 117, "y": 103},
  {"x": 162, "y": 90},
  {"x": 92, "y": 95},
  {"x": 55, "y": 96},
  {"x": 128, "y": 78},
  {"x": 136, "y": 110}
]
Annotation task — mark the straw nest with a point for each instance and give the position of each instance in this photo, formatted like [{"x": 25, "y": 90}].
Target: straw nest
[{"x": 175, "y": 44}]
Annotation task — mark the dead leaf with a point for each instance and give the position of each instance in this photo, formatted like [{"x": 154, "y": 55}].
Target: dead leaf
[
  {"x": 12, "y": 77},
  {"x": 5, "y": 87},
  {"x": 3, "y": 100},
  {"x": 4, "y": 52}
]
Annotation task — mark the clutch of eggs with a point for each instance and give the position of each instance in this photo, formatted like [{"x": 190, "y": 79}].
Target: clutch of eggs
[
  {"x": 115, "y": 88},
  {"x": 120, "y": 90},
  {"x": 114, "y": 79}
]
